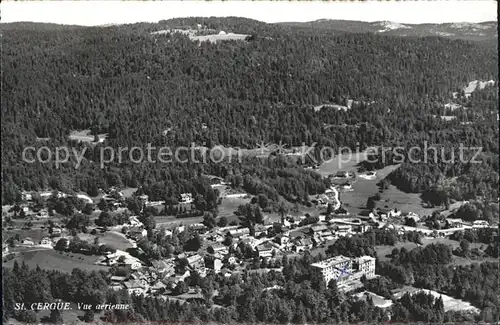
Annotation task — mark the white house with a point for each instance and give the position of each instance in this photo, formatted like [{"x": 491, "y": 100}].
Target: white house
[
  {"x": 137, "y": 232},
  {"x": 217, "y": 265},
  {"x": 134, "y": 221},
  {"x": 202, "y": 272},
  {"x": 413, "y": 215},
  {"x": 196, "y": 261},
  {"x": 136, "y": 287},
  {"x": 455, "y": 222},
  {"x": 133, "y": 263},
  {"x": 26, "y": 196},
  {"x": 42, "y": 214},
  {"x": 303, "y": 244},
  {"x": 27, "y": 241},
  {"x": 239, "y": 232},
  {"x": 480, "y": 224},
  {"x": 260, "y": 229},
  {"x": 118, "y": 279},
  {"x": 346, "y": 186},
  {"x": 167, "y": 233},
  {"x": 343, "y": 230},
  {"x": 187, "y": 198},
  {"x": 46, "y": 241}
]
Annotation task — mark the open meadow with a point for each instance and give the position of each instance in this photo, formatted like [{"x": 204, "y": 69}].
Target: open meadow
[
  {"x": 344, "y": 162},
  {"x": 114, "y": 239},
  {"x": 355, "y": 200},
  {"x": 230, "y": 204},
  {"x": 52, "y": 260},
  {"x": 171, "y": 221}
]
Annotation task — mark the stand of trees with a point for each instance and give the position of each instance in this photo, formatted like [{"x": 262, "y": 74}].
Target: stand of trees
[
  {"x": 242, "y": 298},
  {"x": 138, "y": 88},
  {"x": 430, "y": 268}
]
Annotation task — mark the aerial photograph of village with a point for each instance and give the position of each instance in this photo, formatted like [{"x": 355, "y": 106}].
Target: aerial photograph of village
[{"x": 205, "y": 168}]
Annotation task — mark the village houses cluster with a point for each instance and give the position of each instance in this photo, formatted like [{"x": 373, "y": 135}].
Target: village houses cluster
[{"x": 269, "y": 241}]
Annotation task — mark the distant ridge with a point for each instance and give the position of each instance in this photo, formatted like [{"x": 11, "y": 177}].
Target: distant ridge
[
  {"x": 482, "y": 31},
  {"x": 459, "y": 30}
]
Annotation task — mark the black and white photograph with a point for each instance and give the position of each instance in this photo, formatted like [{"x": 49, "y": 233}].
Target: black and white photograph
[{"x": 250, "y": 162}]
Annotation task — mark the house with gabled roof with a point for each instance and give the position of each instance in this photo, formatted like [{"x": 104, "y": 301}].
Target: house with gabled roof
[
  {"x": 196, "y": 261},
  {"x": 136, "y": 287},
  {"x": 302, "y": 244},
  {"x": 318, "y": 229},
  {"x": 163, "y": 267},
  {"x": 266, "y": 250},
  {"x": 239, "y": 232}
]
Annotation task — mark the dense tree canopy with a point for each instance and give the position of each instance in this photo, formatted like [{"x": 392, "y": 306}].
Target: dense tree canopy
[{"x": 167, "y": 90}]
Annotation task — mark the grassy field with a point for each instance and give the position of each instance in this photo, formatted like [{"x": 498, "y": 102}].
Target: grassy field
[
  {"x": 406, "y": 202},
  {"x": 343, "y": 162},
  {"x": 383, "y": 251},
  {"x": 36, "y": 234},
  {"x": 229, "y": 205},
  {"x": 52, "y": 260},
  {"x": 453, "y": 243},
  {"x": 170, "y": 221},
  {"x": 226, "y": 209},
  {"x": 116, "y": 240},
  {"x": 355, "y": 201}
]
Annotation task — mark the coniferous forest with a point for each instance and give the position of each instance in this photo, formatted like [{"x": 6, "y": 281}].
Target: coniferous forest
[
  {"x": 132, "y": 85},
  {"x": 135, "y": 88}
]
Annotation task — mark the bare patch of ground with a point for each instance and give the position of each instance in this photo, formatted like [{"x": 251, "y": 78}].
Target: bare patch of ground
[{"x": 86, "y": 136}]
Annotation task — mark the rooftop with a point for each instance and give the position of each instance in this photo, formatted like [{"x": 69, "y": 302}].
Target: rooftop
[
  {"x": 331, "y": 261},
  {"x": 194, "y": 258},
  {"x": 133, "y": 284},
  {"x": 319, "y": 228},
  {"x": 265, "y": 246}
]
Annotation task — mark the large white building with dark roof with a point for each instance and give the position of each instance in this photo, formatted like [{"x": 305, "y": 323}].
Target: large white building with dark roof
[
  {"x": 336, "y": 268},
  {"x": 344, "y": 269}
]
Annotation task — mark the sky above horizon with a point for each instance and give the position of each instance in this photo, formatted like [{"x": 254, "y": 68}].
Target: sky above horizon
[{"x": 91, "y": 13}]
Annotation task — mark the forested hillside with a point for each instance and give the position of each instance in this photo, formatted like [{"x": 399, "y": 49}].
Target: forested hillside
[
  {"x": 484, "y": 31},
  {"x": 140, "y": 88}
]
